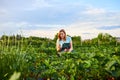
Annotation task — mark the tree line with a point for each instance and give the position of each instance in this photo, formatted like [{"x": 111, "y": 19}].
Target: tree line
[{"x": 101, "y": 39}]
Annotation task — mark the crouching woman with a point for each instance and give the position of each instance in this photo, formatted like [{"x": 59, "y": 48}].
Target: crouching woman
[{"x": 64, "y": 42}]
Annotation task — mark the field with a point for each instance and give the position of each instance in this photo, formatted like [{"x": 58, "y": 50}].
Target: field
[{"x": 35, "y": 58}]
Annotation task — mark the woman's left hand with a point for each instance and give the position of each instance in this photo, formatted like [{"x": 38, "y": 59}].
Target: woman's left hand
[{"x": 66, "y": 50}]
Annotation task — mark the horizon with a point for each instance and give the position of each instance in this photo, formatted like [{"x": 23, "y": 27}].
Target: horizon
[
  {"x": 54, "y": 36},
  {"x": 44, "y": 18}
]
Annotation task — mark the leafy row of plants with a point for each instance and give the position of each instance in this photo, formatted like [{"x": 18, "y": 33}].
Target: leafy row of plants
[
  {"x": 41, "y": 62},
  {"x": 100, "y": 64}
]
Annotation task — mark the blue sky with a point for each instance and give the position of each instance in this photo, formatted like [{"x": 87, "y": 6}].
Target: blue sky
[{"x": 46, "y": 17}]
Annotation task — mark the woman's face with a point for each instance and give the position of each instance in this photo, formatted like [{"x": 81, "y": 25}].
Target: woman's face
[{"x": 62, "y": 35}]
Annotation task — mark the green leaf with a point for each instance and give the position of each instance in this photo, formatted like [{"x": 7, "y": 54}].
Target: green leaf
[{"x": 15, "y": 76}]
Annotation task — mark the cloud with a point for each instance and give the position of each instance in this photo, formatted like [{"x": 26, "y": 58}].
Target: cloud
[
  {"x": 47, "y": 17},
  {"x": 94, "y": 11},
  {"x": 40, "y": 33},
  {"x": 11, "y": 27},
  {"x": 4, "y": 14},
  {"x": 29, "y": 29},
  {"x": 89, "y": 26},
  {"x": 91, "y": 30},
  {"x": 38, "y": 4},
  {"x": 108, "y": 27},
  {"x": 85, "y": 28}
]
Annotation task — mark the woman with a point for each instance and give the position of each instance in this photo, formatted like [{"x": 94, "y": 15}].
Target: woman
[{"x": 64, "y": 42}]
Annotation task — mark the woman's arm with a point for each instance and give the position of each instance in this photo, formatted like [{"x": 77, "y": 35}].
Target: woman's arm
[
  {"x": 58, "y": 48},
  {"x": 71, "y": 46}
]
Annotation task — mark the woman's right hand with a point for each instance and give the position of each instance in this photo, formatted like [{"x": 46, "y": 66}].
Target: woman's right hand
[{"x": 59, "y": 48}]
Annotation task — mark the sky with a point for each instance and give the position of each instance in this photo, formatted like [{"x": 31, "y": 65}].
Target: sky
[{"x": 44, "y": 18}]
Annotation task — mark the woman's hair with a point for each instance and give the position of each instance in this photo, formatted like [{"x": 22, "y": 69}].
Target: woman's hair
[{"x": 62, "y": 30}]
